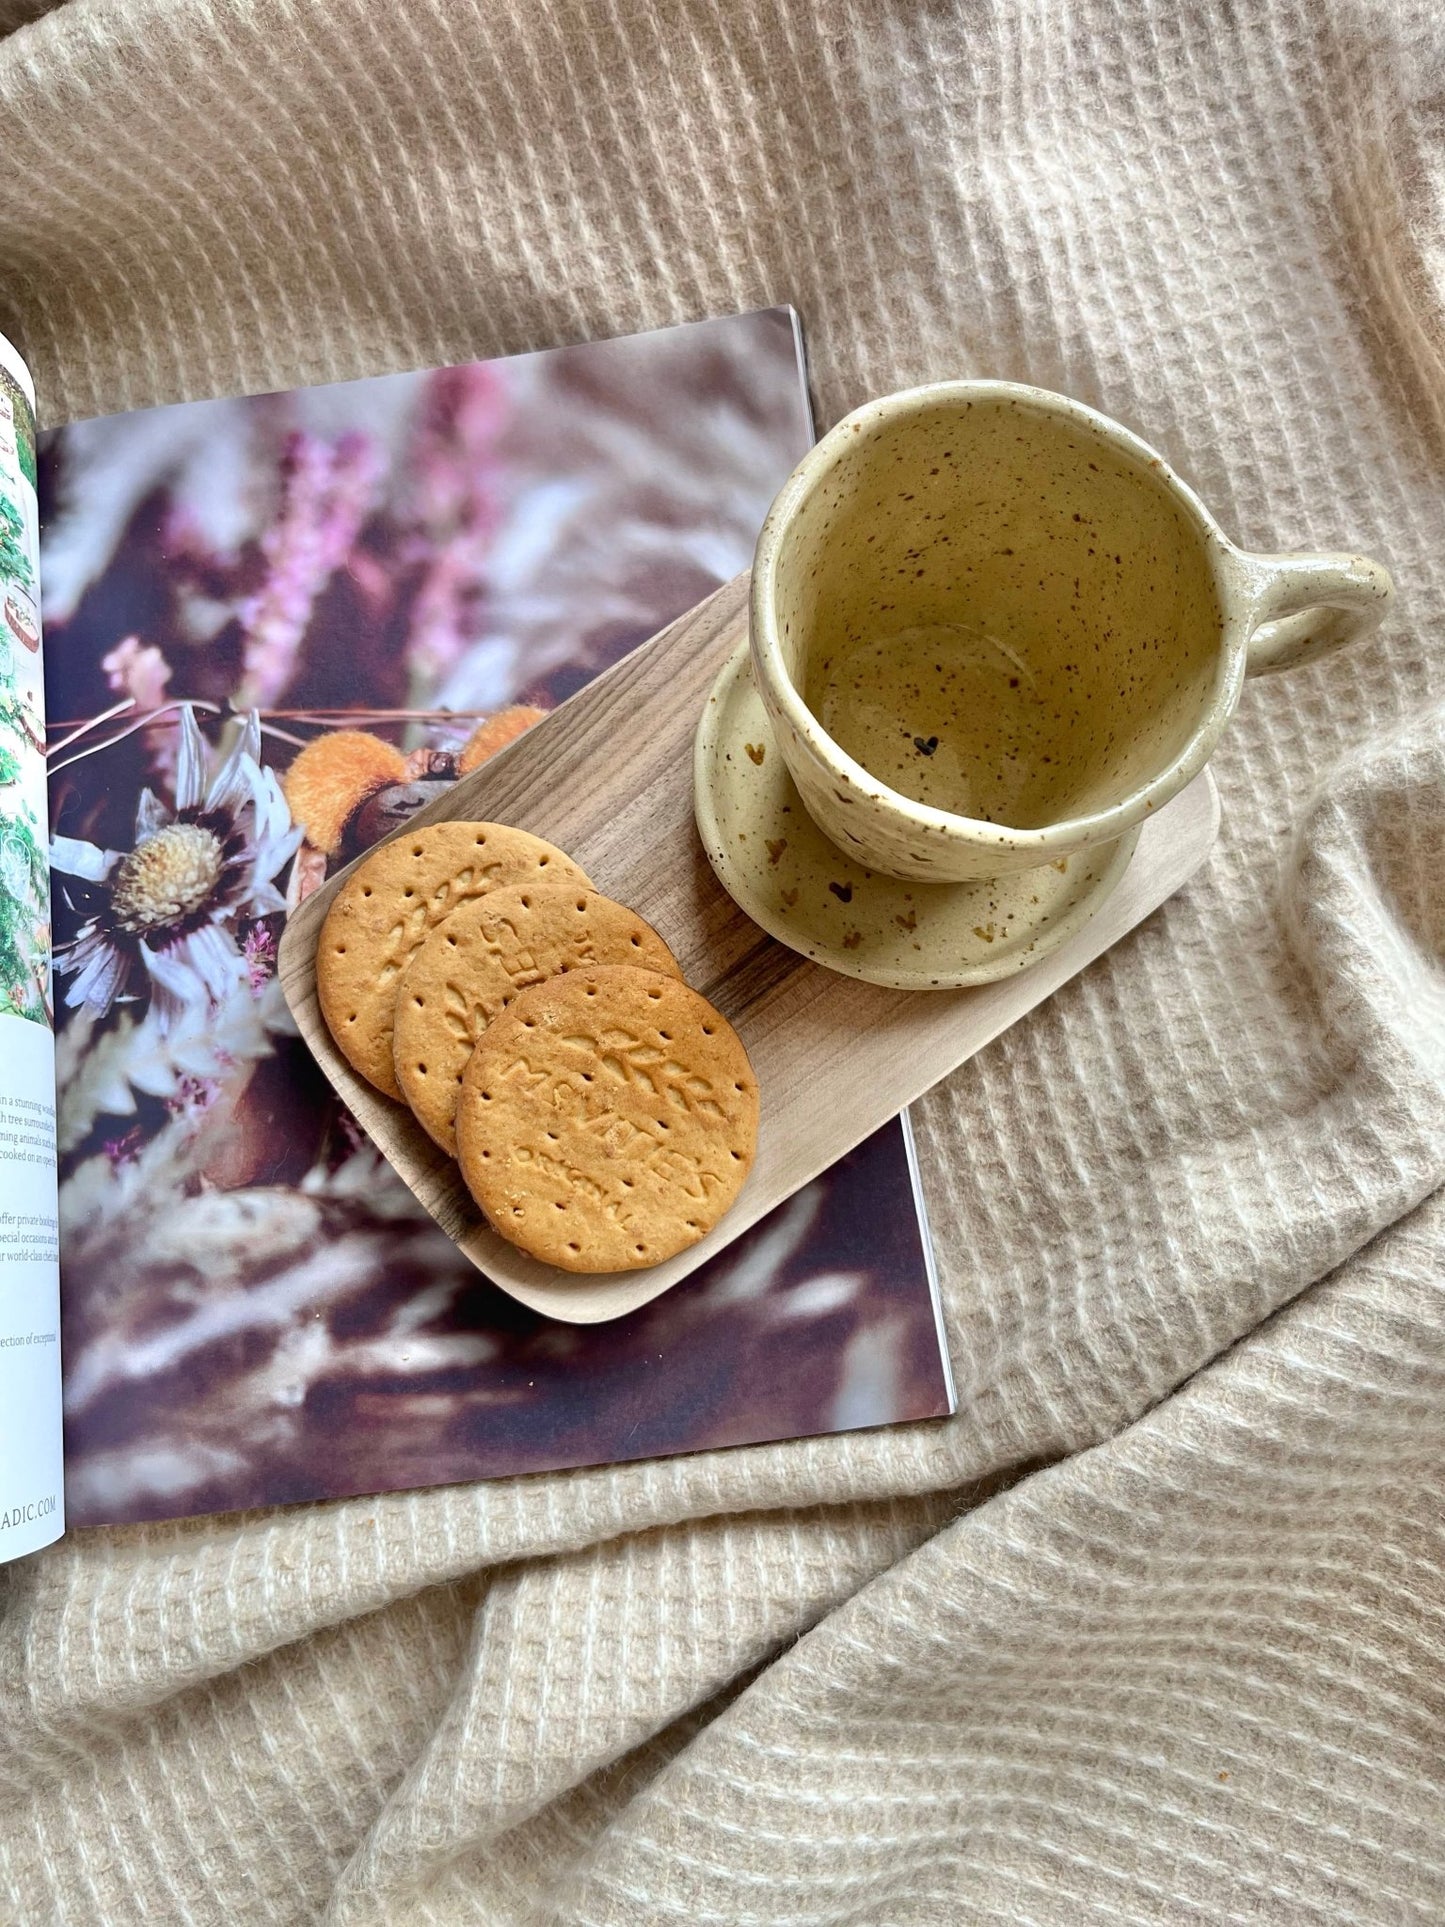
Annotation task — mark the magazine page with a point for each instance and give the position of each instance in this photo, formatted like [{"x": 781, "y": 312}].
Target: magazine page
[
  {"x": 274, "y": 626},
  {"x": 32, "y": 1511}
]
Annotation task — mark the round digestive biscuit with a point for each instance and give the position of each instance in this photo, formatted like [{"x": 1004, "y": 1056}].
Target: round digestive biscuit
[
  {"x": 472, "y": 966},
  {"x": 607, "y": 1119},
  {"x": 387, "y": 907}
]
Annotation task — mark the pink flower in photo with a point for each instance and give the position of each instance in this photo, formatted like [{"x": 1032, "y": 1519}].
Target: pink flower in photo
[
  {"x": 137, "y": 670},
  {"x": 124, "y": 1149},
  {"x": 328, "y": 491},
  {"x": 259, "y": 950},
  {"x": 454, "y": 504},
  {"x": 140, "y": 671},
  {"x": 193, "y": 1095}
]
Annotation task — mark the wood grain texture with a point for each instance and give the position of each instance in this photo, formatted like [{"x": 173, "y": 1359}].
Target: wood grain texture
[{"x": 608, "y": 778}]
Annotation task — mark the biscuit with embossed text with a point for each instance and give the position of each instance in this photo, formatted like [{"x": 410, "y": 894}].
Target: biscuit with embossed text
[
  {"x": 608, "y": 1118},
  {"x": 472, "y": 966},
  {"x": 387, "y": 907}
]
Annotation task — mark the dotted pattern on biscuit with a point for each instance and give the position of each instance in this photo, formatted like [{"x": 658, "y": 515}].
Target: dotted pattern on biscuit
[
  {"x": 391, "y": 902},
  {"x": 608, "y": 1118},
  {"x": 471, "y": 967}
]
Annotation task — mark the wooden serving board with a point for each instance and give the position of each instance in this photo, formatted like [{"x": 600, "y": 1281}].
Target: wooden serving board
[{"x": 608, "y": 778}]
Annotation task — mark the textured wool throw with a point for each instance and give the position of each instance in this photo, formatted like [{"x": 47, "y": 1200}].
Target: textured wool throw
[{"x": 1154, "y": 1630}]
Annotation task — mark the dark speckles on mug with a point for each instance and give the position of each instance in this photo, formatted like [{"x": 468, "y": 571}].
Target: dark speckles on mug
[
  {"x": 867, "y": 922},
  {"x": 1059, "y": 592}
]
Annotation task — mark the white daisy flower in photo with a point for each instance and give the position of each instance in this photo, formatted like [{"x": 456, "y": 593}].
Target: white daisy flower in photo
[{"x": 156, "y": 917}]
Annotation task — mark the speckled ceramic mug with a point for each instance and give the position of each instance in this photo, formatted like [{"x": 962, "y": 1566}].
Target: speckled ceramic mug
[{"x": 991, "y": 628}]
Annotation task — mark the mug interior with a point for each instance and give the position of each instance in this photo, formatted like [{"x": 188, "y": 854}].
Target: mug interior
[{"x": 998, "y": 612}]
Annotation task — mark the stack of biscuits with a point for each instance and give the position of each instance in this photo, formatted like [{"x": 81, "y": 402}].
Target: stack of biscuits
[{"x": 603, "y": 1114}]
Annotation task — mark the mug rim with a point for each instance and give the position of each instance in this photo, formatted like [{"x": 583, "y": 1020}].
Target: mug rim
[{"x": 1228, "y": 570}]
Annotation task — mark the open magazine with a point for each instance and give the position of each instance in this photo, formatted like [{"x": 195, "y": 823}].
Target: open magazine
[{"x": 396, "y": 575}]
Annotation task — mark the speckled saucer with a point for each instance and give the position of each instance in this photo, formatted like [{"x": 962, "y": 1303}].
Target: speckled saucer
[{"x": 777, "y": 865}]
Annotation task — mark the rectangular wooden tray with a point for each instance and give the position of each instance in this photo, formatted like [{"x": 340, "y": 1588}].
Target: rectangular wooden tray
[{"x": 608, "y": 778}]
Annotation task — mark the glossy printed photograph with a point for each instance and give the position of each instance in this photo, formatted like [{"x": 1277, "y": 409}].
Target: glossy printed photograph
[{"x": 276, "y": 627}]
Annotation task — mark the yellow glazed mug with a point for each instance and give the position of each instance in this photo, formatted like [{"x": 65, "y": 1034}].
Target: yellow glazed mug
[{"x": 991, "y": 628}]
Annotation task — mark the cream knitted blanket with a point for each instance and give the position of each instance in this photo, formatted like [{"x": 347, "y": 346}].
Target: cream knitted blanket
[{"x": 1155, "y": 1630}]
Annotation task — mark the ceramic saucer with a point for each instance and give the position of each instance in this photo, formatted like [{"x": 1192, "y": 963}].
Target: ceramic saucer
[{"x": 777, "y": 865}]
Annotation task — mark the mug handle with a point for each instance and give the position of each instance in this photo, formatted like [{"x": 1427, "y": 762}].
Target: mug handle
[{"x": 1310, "y": 605}]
